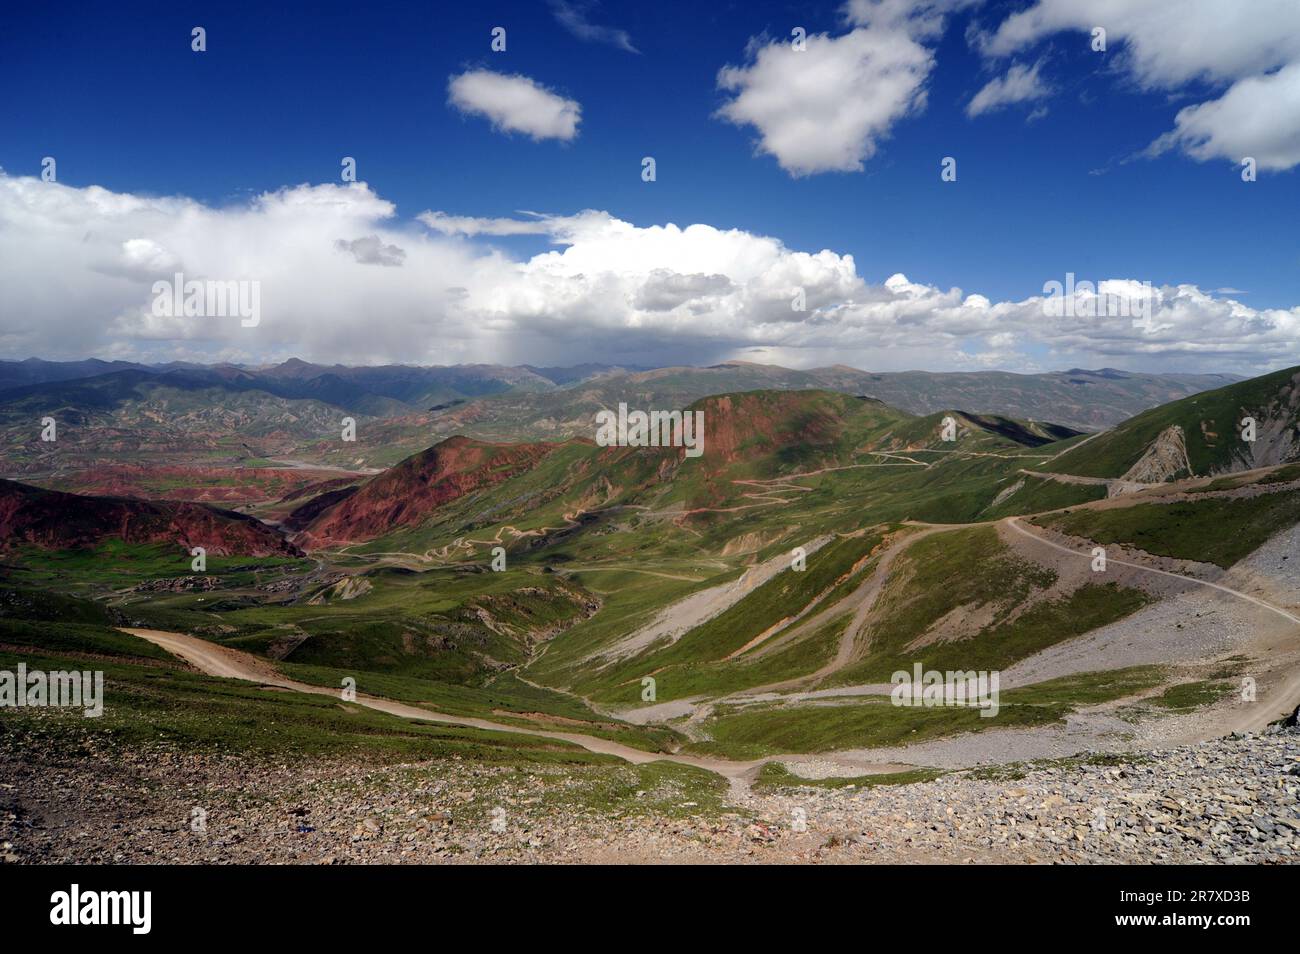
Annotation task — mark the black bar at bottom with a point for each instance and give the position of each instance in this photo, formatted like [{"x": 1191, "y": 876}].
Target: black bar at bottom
[{"x": 347, "y": 905}]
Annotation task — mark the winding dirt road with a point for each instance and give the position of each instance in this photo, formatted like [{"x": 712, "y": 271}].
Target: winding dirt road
[
  {"x": 229, "y": 663},
  {"x": 1013, "y": 523},
  {"x": 221, "y": 661},
  {"x": 1278, "y": 702}
]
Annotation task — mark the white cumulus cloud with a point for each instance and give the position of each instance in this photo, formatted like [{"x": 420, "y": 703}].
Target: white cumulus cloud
[
  {"x": 826, "y": 107},
  {"x": 1250, "y": 51},
  {"x": 77, "y": 266},
  {"x": 515, "y": 103},
  {"x": 1258, "y": 117}
]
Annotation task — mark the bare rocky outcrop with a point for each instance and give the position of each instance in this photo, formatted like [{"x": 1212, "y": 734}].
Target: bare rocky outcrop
[
  {"x": 347, "y": 588},
  {"x": 1006, "y": 492},
  {"x": 1165, "y": 459},
  {"x": 1277, "y": 428}
]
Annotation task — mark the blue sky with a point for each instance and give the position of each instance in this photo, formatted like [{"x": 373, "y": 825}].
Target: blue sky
[{"x": 115, "y": 93}]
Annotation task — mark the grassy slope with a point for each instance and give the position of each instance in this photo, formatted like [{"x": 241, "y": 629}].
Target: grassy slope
[
  {"x": 1210, "y": 422},
  {"x": 973, "y": 569},
  {"x": 1190, "y": 530},
  {"x": 800, "y": 658},
  {"x": 774, "y": 775},
  {"x": 371, "y": 635},
  {"x": 117, "y": 565},
  {"x": 166, "y": 709},
  {"x": 676, "y": 667},
  {"x": 1040, "y": 494},
  {"x": 755, "y": 732},
  {"x": 955, "y": 489},
  {"x": 507, "y": 699},
  {"x": 149, "y": 698}
]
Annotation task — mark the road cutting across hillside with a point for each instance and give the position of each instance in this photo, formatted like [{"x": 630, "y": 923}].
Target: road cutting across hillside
[
  {"x": 1013, "y": 523},
  {"x": 1279, "y": 701},
  {"x": 227, "y": 663}
]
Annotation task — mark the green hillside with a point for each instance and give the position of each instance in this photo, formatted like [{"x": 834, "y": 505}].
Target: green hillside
[
  {"x": 1211, "y": 427},
  {"x": 602, "y": 541},
  {"x": 1187, "y": 530}
]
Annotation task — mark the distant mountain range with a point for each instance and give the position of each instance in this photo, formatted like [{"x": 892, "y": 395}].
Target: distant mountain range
[
  {"x": 755, "y": 440},
  {"x": 115, "y": 412},
  {"x": 363, "y": 388}
]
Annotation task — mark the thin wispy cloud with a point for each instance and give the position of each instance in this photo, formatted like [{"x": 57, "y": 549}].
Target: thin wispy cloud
[
  {"x": 1021, "y": 84},
  {"x": 573, "y": 15},
  {"x": 470, "y": 225}
]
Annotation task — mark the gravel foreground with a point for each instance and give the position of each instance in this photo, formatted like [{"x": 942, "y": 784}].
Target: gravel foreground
[{"x": 1231, "y": 800}]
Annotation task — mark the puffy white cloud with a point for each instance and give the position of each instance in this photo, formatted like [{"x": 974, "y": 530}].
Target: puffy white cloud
[
  {"x": 142, "y": 256},
  {"x": 515, "y": 103},
  {"x": 825, "y": 108},
  {"x": 1021, "y": 84},
  {"x": 1167, "y": 44},
  {"x": 77, "y": 266},
  {"x": 1251, "y": 49},
  {"x": 919, "y": 18},
  {"x": 1258, "y": 117}
]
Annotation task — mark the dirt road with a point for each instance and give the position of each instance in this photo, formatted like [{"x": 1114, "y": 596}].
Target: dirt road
[
  {"x": 228, "y": 663},
  {"x": 1013, "y": 523},
  {"x": 222, "y": 661},
  {"x": 1279, "y": 701}
]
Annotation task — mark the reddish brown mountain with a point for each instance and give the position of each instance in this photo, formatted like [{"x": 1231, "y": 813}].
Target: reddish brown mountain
[
  {"x": 54, "y": 520},
  {"x": 770, "y": 426},
  {"x": 319, "y": 487},
  {"x": 301, "y": 517},
  {"x": 223, "y": 486},
  {"x": 407, "y": 493}
]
